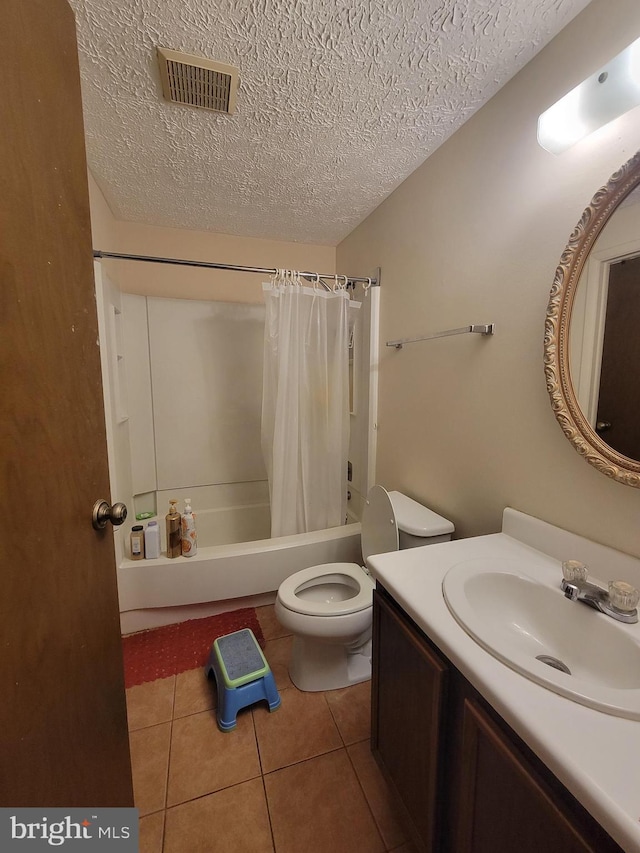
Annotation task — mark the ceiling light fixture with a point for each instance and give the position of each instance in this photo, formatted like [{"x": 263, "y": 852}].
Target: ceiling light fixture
[{"x": 606, "y": 95}]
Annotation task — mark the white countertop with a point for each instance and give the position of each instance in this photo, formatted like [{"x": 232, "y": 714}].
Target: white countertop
[{"x": 594, "y": 754}]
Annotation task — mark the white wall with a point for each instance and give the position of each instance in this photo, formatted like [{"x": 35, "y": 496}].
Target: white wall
[
  {"x": 110, "y": 234},
  {"x": 474, "y": 236}
]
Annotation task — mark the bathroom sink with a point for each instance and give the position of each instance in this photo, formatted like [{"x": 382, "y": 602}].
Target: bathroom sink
[{"x": 529, "y": 625}]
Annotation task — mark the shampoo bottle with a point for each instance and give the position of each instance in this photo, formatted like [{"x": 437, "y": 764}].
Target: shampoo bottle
[
  {"x": 189, "y": 537},
  {"x": 174, "y": 548}
]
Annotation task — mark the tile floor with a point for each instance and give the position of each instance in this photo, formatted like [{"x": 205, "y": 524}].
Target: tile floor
[{"x": 299, "y": 780}]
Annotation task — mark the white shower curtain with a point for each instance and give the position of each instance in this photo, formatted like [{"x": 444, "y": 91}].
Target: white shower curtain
[{"x": 305, "y": 404}]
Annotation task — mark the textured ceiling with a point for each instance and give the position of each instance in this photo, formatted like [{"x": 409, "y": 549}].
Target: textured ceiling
[{"x": 338, "y": 102}]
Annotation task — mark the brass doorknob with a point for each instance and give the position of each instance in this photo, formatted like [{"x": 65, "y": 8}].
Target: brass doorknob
[{"x": 102, "y": 513}]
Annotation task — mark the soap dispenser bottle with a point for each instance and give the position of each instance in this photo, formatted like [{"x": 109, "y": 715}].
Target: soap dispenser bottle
[
  {"x": 174, "y": 548},
  {"x": 189, "y": 536}
]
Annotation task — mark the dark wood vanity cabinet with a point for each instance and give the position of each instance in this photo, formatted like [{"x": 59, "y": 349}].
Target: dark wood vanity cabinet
[
  {"x": 465, "y": 780},
  {"x": 408, "y": 692}
]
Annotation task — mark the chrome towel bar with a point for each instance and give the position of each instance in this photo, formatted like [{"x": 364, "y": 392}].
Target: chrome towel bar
[{"x": 480, "y": 330}]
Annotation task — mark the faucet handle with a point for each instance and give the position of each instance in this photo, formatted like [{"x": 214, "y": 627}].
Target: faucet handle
[
  {"x": 623, "y": 596},
  {"x": 574, "y": 570}
]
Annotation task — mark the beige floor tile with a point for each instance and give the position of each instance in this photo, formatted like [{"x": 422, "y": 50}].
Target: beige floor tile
[
  {"x": 278, "y": 655},
  {"x": 151, "y": 833},
  {"x": 351, "y": 709},
  {"x": 271, "y": 628},
  {"x": 149, "y": 763},
  {"x": 194, "y": 693},
  {"x": 231, "y": 821},
  {"x": 378, "y": 795},
  {"x": 301, "y": 728},
  {"x": 151, "y": 703},
  {"x": 204, "y": 759},
  {"x": 317, "y": 806}
]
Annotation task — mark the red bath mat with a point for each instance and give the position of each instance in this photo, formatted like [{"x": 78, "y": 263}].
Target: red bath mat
[{"x": 161, "y": 652}]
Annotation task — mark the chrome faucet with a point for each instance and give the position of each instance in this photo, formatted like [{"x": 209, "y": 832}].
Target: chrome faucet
[{"x": 618, "y": 601}]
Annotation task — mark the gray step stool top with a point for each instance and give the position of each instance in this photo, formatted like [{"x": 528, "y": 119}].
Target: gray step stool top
[{"x": 240, "y": 658}]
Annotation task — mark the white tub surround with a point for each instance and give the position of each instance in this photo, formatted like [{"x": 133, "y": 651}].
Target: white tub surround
[{"x": 594, "y": 754}]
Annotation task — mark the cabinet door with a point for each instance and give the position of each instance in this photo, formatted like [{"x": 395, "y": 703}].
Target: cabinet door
[
  {"x": 407, "y": 695},
  {"x": 504, "y": 805}
]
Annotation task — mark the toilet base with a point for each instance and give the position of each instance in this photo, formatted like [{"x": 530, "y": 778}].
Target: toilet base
[{"x": 317, "y": 665}]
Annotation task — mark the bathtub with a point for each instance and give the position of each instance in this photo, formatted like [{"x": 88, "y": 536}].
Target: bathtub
[{"x": 223, "y": 576}]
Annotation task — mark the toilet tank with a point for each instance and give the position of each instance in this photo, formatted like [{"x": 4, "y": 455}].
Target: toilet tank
[{"x": 418, "y": 525}]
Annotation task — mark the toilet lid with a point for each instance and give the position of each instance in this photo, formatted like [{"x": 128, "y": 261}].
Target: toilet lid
[
  {"x": 379, "y": 527},
  {"x": 333, "y": 589}
]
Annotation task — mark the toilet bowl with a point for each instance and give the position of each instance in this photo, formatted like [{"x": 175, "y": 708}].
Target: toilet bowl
[{"x": 329, "y": 608}]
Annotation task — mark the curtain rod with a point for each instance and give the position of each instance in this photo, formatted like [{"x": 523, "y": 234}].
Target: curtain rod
[{"x": 351, "y": 279}]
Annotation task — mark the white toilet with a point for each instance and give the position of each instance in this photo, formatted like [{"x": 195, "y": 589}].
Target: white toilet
[{"x": 329, "y": 608}]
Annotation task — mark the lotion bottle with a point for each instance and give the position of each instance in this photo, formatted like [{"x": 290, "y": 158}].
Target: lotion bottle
[
  {"x": 174, "y": 548},
  {"x": 152, "y": 541},
  {"x": 189, "y": 536}
]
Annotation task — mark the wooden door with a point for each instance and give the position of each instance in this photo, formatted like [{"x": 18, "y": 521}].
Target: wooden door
[{"x": 63, "y": 733}]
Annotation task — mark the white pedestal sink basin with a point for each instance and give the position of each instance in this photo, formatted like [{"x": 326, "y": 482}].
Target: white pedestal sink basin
[{"x": 563, "y": 645}]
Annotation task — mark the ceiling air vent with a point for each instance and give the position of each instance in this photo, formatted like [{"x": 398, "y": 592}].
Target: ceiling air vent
[{"x": 198, "y": 82}]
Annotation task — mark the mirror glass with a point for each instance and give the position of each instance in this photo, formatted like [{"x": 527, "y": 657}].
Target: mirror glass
[
  {"x": 604, "y": 334},
  {"x": 592, "y": 333}
]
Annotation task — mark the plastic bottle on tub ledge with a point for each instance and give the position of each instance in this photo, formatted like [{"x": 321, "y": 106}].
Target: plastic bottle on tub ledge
[
  {"x": 152, "y": 541},
  {"x": 174, "y": 546},
  {"x": 189, "y": 535},
  {"x": 136, "y": 541}
]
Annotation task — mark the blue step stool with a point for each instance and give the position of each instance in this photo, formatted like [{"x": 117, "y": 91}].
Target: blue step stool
[{"x": 242, "y": 675}]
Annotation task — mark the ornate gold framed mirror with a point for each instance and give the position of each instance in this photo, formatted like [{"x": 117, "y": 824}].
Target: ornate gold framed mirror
[{"x": 590, "y": 336}]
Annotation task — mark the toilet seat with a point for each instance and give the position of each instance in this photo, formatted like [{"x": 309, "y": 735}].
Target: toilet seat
[
  {"x": 301, "y": 591},
  {"x": 337, "y": 589},
  {"x": 329, "y": 608}
]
